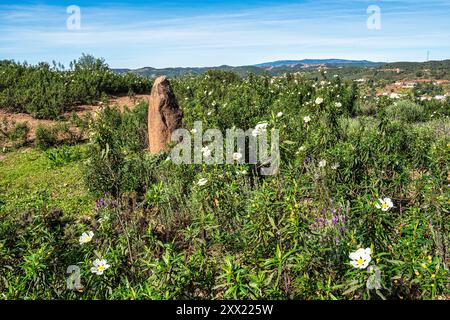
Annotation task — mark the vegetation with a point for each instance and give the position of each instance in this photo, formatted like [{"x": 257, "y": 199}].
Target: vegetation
[
  {"x": 349, "y": 70},
  {"x": 13, "y": 133},
  {"x": 351, "y": 177},
  {"x": 48, "y": 92}
]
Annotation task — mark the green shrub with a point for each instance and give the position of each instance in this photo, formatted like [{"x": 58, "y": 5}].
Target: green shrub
[
  {"x": 63, "y": 155},
  {"x": 48, "y": 92},
  {"x": 46, "y": 137},
  {"x": 13, "y": 133},
  {"x": 117, "y": 153},
  {"x": 406, "y": 111}
]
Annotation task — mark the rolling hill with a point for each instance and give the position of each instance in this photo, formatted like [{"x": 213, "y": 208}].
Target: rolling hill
[{"x": 347, "y": 68}]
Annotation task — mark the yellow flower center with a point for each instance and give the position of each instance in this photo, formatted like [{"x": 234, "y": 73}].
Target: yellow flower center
[
  {"x": 88, "y": 239},
  {"x": 384, "y": 205},
  {"x": 360, "y": 261},
  {"x": 101, "y": 268}
]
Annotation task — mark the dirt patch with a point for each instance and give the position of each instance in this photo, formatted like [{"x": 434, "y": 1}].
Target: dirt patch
[
  {"x": 129, "y": 102},
  {"x": 79, "y": 110},
  {"x": 397, "y": 86}
]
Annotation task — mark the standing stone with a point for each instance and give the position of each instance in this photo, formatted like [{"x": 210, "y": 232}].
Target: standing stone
[{"x": 164, "y": 115}]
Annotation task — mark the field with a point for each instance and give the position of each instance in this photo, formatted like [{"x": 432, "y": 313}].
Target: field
[{"x": 359, "y": 209}]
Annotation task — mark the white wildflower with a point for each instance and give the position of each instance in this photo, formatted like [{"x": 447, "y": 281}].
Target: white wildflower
[
  {"x": 322, "y": 163},
  {"x": 335, "y": 166},
  {"x": 259, "y": 129},
  {"x": 86, "y": 237},
  {"x": 99, "y": 266},
  {"x": 384, "y": 204},
  {"x": 360, "y": 259},
  {"x": 202, "y": 182},
  {"x": 237, "y": 156},
  {"x": 206, "y": 152},
  {"x": 319, "y": 101}
]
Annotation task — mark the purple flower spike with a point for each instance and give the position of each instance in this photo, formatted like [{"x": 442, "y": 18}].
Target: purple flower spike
[{"x": 335, "y": 219}]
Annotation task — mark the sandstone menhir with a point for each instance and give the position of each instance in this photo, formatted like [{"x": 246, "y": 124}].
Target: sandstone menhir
[{"x": 164, "y": 115}]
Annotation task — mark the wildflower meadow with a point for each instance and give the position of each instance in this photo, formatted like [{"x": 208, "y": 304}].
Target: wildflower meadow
[{"x": 358, "y": 208}]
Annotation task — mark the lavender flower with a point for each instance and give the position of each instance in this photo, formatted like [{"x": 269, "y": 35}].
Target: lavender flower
[
  {"x": 335, "y": 219},
  {"x": 100, "y": 203}
]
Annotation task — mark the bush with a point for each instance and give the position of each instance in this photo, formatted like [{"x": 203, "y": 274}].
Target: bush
[
  {"x": 406, "y": 111},
  {"x": 48, "y": 92},
  {"x": 117, "y": 151},
  {"x": 46, "y": 137},
  {"x": 13, "y": 133},
  {"x": 63, "y": 155}
]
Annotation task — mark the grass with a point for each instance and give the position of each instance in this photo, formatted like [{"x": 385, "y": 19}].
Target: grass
[{"x": 29, "y": 180}]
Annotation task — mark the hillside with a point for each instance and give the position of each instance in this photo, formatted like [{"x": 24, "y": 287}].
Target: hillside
[
  {"x": 352, "y": 69},
  {"x": 304, "y": 62}
]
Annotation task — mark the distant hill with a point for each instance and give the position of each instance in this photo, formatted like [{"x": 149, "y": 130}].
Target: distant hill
[
  {"x": 174, "y": 72},
  {"x": 353, "y": 69},
  {"x": 318, "y": 61}
]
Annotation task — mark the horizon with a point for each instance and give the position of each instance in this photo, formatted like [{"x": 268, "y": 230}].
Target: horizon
[
  {"x": 206, "y": 34},
  {"x": 232, "y": 66},
  {"x": 278, "y": 60}
]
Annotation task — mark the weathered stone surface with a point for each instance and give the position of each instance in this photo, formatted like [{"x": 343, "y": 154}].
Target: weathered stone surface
[{"x": 164, "y": 115}]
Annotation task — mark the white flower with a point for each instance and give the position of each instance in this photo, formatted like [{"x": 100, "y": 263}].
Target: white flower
[
  {"x": 307, "y": 119},
  {"x": 237, "y": 156},
  {"x": 206, "y": 152},
  {"x": 260, "y": 128},
  {"x": 360, "y": 259},
  {"x": 338, "y": 104},
  {"x": 279, "y": 114},
  {"x": 86, "y": 237},
  {"x": 319, "y": 101},
  {"x": 384, "y": 204},
  {"x": 243, "y": 172},
  {"x": 194, "y": 131},
  {"x": 335, "y": 166},
  {"x": 99, "y": 266},
  {"x": 322, "y": 163},
  {"x": 202, "y": 182}
]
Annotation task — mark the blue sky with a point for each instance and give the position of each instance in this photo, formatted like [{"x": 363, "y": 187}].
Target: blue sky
[{"x": 135, "y": 34}]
